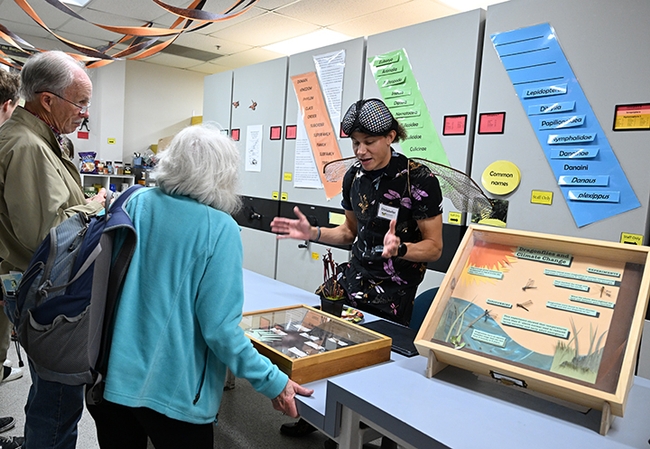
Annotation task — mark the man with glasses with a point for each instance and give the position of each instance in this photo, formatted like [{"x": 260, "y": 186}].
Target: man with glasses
[{"x": 39, "y": 188}]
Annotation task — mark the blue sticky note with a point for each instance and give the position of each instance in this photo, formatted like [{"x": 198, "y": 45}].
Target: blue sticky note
[
  {"x": 551, "y": 108},
  {"x": 584, "y": 180},
  {"x": 574, "y": 153}
]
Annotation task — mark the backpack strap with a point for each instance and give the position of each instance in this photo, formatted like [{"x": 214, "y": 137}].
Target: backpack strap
[{"x": 117, "y": 219}]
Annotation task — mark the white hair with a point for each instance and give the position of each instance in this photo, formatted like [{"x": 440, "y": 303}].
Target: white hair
[{"x": 203, "y": 164}]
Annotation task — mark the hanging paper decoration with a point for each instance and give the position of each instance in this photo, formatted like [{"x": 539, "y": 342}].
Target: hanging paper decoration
[{"x": 144, "y": 40}]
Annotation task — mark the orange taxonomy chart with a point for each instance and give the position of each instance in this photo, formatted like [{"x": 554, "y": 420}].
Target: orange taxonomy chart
[{"x": 320, "y": 131}]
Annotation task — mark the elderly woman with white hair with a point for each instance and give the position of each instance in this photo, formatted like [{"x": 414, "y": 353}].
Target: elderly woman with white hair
[{"x": 177, "y": 321}]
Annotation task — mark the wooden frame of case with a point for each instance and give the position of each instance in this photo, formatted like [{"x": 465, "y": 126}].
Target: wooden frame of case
[
  {"x": 368, "y": 348},
  {"x": 535, "y": 282}
]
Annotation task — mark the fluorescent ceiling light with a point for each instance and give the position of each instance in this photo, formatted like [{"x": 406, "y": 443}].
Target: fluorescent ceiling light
[
  {"x": 317, "y": 39},
  {"x": 468, "y": 5},
  {"x": 76, "y": 2}
]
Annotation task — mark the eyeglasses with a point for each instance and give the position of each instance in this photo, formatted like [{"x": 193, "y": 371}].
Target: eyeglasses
[{"x": 82, "y": 109}]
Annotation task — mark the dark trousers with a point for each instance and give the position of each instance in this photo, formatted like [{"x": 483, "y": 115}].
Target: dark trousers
[{"x": 121, "y": 427}]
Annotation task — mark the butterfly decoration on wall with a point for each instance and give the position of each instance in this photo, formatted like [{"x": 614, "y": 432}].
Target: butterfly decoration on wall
[
  {"x": 455, "y": 185},
  {"x": 235, "y": 104},
  {"x": 253, "y": 105}
]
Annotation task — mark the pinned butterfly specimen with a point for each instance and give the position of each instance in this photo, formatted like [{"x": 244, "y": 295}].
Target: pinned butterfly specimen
[
  {"x": 235, "y": 104},
  {"x": 463, "y": 192},
  {"x": 253, "y": 105}
]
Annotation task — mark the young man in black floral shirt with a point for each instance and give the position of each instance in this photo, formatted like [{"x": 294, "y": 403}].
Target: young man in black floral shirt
[{"x": 393, "y": 217}]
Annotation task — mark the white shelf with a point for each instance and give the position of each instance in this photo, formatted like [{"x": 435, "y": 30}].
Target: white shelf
[{"x": 90, "y": 179}]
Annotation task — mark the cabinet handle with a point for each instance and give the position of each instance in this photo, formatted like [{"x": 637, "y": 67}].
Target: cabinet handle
[{"x": 304, "y": 245}]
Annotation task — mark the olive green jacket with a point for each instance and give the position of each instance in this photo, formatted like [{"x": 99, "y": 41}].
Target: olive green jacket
[{"x": 39, "y": 188}]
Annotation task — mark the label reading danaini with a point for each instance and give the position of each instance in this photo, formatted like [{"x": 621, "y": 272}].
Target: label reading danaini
[{"x": 501, "y": 177}]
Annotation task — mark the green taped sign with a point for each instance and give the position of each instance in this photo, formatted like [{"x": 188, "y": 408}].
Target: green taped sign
[{"x": 400, "y": 91}]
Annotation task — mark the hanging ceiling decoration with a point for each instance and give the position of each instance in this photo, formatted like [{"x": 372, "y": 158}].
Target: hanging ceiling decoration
[{"x": 142, "y": 41}]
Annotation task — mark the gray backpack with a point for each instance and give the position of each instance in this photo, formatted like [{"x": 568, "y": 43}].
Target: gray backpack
[{"x": 66, "y": 297}]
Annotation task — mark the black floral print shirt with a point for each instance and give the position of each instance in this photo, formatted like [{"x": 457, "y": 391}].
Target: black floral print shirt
[{"x": 411, "y": 190}]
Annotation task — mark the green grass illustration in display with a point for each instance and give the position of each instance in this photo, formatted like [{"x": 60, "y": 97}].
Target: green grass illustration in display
[
  {"x": 457, "y": 338},
  {"x": 568, "y": 361}
]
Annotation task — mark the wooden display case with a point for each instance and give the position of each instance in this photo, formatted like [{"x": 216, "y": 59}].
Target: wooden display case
[
  {"x": 309, "y": 345},
  {"x": 556, "y": 315}
]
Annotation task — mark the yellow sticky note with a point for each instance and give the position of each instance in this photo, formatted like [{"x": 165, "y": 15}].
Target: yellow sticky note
[
  {"x": 287, "y": 176},
  {"x": 315, "y": 256},
  {"x": 454, "y": 217},
  {"x": 336, "y": 218},
  {"x": 631, "y": 239},
  {"x": 541, "y": 197}
]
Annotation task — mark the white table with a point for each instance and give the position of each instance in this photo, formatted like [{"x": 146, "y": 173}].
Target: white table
[{"x": 452, "y": 409}]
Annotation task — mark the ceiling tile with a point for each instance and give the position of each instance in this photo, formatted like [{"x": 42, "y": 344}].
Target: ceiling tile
[
  {"x": 265, "y": 29},
  {"x": 216, "y": 26},
  {"x": 271, "y": 5},
  {"x": 52, "y": 17},
  {"x": 82, "y": 28},
  {"x": 315, "y": 11},
  {"x": 393, "y": 18},
  {"x": 209, "y": 43},
  {"x": 25, "y": 30},
  {"x": 171, "y": 61},
  {"x": 208, "y": 68},
  {"x": 248, "y": 57},
  {"x": 144, "y": 10}
]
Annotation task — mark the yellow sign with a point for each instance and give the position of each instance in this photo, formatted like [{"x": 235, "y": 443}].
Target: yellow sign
[
  {"x": 632, "y": 117},
  {"x": 336, "y": 218},
  {"x": 501, "y": 177},
  {"x": 541, "y": 197},
  {"x": 318, "y": 124},
  {"x": 454, "y": 217},
  {"x": 111, "y": 141},
  {"x": 275, "y": 195},
  {"x": 315, "y": 256},
  {"x": 284, "y": 197},
  {"x": 287, "y": 176},
  {"x": 631, "y": 239}
]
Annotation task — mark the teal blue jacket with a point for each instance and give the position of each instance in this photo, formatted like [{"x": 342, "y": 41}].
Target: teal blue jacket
[{"x": 177, "y": 322}]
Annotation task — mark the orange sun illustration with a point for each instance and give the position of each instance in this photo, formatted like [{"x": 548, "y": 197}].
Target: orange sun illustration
[{"x": 489, "y": 256}]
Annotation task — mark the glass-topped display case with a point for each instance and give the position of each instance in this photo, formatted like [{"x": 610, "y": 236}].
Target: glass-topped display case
[
  {"x": 308, "y": 344},
  {"x": 557, "y": 315}
]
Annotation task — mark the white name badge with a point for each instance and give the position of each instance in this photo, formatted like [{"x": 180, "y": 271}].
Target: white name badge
[{"x": 387, "y": 212}]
